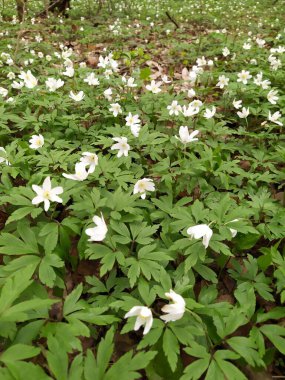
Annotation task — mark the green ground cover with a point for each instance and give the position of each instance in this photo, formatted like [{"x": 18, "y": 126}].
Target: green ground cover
[{"x": 142, "y": 216}]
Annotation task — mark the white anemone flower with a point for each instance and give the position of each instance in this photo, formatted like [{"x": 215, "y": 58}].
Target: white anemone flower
[
  {"x": 237, "y": 104},
  {"x": 174, "y": 108},
  {"x": 244, "y": 76},
  {"x": 174, "y": 311},
  {"x": 223, "y": 81},
  {"x": 134, "y": 123},
  {"x": 3, "y": 159},
  {"x": 122, "y": 146},
  {"x": 91, "y": 160},
  {"x": 201, "y": 231},
  {"x": 91, "y": 80},
  {"x": 154, "y": 87},
  {"x": 36, "y": 142},
  {"x": 115, "y": 108},
  {"x": 97, "y": 233},
  {"x": 80, "y": 172},
  {"x": 77, "y": 97},
  {"x": 209, "y": 113},
  {"x": 274, "y": 118},
  {"x": 144, "y": 185},
  {"x": 28, "y": 78},
  {"x": 53, "y": 84},
  {"x": 272, "y": 96},
  {"x": 243, "y": 114},
  {"x": 185, "y": 137},
  {"x": 144, "y": 318},
  {"x": 46, "y": 194}
]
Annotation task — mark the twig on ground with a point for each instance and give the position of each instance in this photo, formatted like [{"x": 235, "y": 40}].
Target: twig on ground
[{"x": 172, "y": 19}]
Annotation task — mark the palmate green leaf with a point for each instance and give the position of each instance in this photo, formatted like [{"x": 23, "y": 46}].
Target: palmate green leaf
[
  {"x": 144, "y": 236},
  {"x": 25, "y": 370},
  {"x": 11, "y": 245},
  {"x": 104, "y": 353},
  {"x": 20, "y": 213},
  {"x": 128, "y": 366},
  {"x": 19, "y": 352},
  {"x": 76, "y": 368},
  {"x": 228, "y": 324},
  {"x": 151, "y": 338},
  {"x": 47, "y": 274},
  {"x": 170, "y": 346},
  {"x": 29, "y": 332},
  {"x": 50, "y": 231},
  {"x": 14, "y": 286},
  {"x": 21, "y": 311},
  {"x": 57, "y": 359},
  {"x": 214, "y": 371},
  {"x": 206, "y": 272},
  {"x": 246, "y": 348},
  {"x": 72, "y": 302},
  {"x": 107, "y": 262},
  {"x": 195, "y": 370},
  {"x": 198, "y": 351},
  {"x": 133, "y": 272},
  {"x": 275, "y": 334},
  {"x": 18, "y": 263},
  {"x": 275, "y": 313},
  {"x": 229, "y": 370}
]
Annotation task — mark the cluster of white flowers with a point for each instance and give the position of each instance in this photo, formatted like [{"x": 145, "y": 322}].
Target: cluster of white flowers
[{"x": 173, "y": 312}]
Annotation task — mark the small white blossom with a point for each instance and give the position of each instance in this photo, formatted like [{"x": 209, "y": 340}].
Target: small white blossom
[
  {"x": 80, "y": 172},
  {"x": 144, "y": 185},
  {"x": 154, "y": 87},
  {"x": 91, "y": 160},
  {"x": 174, "y": 311},
  {"x": 237, "y": 104},
  {"x": 77, "y": 97},
  {"x": 134, "y": 123},
  {"x": 99, "y": 232},
  {"x": 122, "y": 146},
  {"x": 244, "y": 76},
  {"x": 185, "y": 137},
  {"x": 272, "y": 96},
  {"x": 144, "y": 318},
  {"x": 174, "y": 108},
  {"x": 92, "y": 80},
  {"x": 201, "y": 231},
  {"x": 223, "y": 81},
  {"x": 274, "y": 118},
  {"x": 243, "y": 113},
  {"x": 46, "y": 194},
  {"x": 53, "y": 84},
  {"x": 36, "y": 142},
  {"x": 115, "y": 108},
  {"x": 208, "y": 114}
]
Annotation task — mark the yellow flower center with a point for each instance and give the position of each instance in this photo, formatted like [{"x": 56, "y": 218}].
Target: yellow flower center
[{"x": 46, "y": 194}]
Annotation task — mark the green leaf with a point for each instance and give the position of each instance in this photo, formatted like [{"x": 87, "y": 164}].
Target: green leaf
[
  {"x": 72, "y": 302},
  {"x": 275, "y": 333},
  {"x": 171, "y": 348},
  {"x": 50, "y": 231},
  {"x": 195, "y": 370},
  {"x": 128, "y": 365},
  {"x": 19, "y": 352},
  {"x": 57, "y": 359},
  {"x": 19, "y": 214},
  {"x": 246, "y": 348},
  {"x": 11, "y": 245},
  {"x": 104, "y": 353},
  {"x": 46, "y": 272}
]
